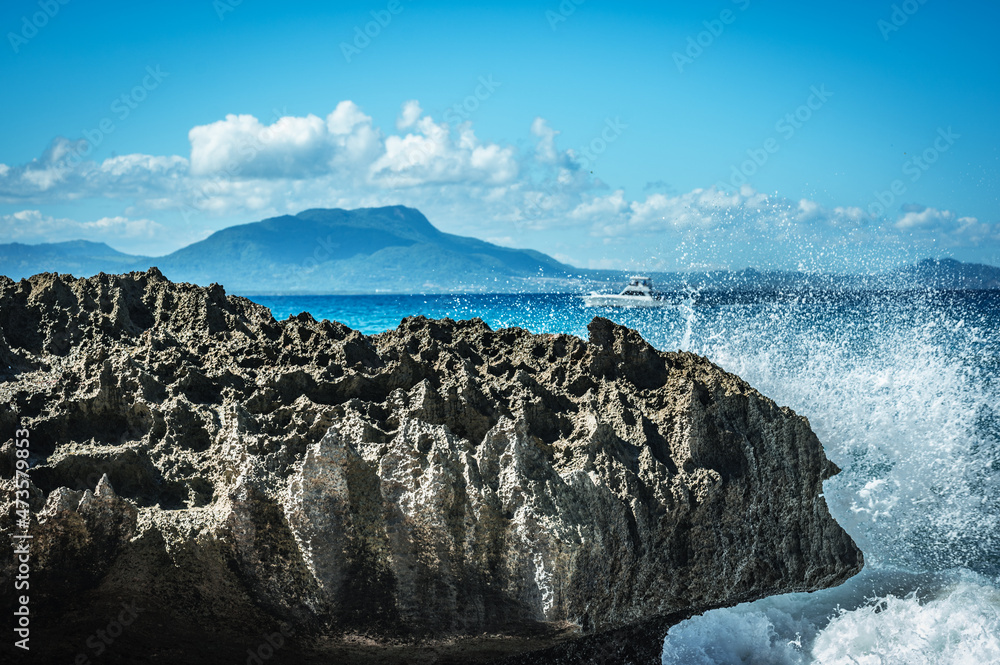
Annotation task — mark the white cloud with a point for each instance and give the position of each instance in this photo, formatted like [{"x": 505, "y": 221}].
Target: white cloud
[
  {"x": 735, "y": 228},
  {"x": 432, "y": 154},
  {"x": 345, "y": 117},
  {"x": 243, "y": 167},
  {"x": 119, "y": 227},
  {"x": 63, "y": 173},
  {"x": 545, "y": 150},
  {"x": 947, "y": 226},
  {"x": 409, "y": 115},
  {"x": 135, "y": 164},
  {"x": 355, "y": 139},
  {"x": 660, "y": 212},
  {"x": 124, "y": 234},
  {"x": 606, "y": 215},
  {"x": 241, "y": 145},
  {"x": 928, "y": 218}
]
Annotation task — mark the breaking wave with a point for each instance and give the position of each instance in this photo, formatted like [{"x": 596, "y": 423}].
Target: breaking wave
[{"x": 902, "y": 388}]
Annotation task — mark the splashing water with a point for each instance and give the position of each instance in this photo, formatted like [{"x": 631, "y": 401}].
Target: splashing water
[
  {"x": 957, "y": 624},
  {"x": 903, "y": 389},
  {"x": 904, "y": 397},
  {"x": 903, "y": 392},
  {"x": 961, "y": 625}
]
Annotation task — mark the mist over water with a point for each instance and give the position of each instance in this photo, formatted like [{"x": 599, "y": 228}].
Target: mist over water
[
  {"x": 902, "y": 388},
  {"x": 903, "y": 391},
  {"x": 904, "y": 395}
]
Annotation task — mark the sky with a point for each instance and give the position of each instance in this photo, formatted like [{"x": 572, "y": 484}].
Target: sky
[{"x": 657, "y": 135}]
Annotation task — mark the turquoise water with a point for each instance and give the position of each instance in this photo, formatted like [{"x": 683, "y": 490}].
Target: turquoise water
[
  {"x": 372, "y": 314},
  {"x": 904, "y": 391}
]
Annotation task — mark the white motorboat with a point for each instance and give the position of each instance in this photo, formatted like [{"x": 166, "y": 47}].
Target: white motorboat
[{"x": 638, "y": 293}]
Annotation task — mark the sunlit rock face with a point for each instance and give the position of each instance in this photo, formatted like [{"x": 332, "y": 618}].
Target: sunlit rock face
[{"x": 441, "y": 492}]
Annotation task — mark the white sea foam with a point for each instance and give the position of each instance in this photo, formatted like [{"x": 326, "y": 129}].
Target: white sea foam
[
  {"x": 733, "y": 637},
  {"x": 904, "y": 393},
  {"x": 954, "y": 624},
  {"x": 900, "y": 400},
  {"x": 905, "y": 398},
  {"x": 959, "y": 627}
]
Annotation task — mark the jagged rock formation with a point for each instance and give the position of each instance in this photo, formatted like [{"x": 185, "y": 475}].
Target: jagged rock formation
[{"x": 437, "y": 493}]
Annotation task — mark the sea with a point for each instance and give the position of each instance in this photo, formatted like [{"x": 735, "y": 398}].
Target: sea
[{"x": 902, "y": 388}]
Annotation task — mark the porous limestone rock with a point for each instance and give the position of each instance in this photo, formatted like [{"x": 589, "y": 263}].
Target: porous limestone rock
[{"x": 441, "y": 492}]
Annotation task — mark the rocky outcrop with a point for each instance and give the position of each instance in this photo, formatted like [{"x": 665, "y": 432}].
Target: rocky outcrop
[{"x": 441, "y": 492}]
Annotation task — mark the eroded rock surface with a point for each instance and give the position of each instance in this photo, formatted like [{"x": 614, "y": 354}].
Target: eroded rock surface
[{"x": 441, "y": 492}]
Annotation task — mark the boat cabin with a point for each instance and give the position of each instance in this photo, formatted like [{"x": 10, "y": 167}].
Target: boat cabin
[
  {"x": 638, "y": 293},
  {"x": 638, "y": 286}
]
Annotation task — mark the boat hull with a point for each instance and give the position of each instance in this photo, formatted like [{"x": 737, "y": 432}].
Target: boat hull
[{"x": 610, "y": 300}]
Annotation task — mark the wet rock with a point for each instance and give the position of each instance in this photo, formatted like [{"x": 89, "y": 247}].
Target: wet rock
[{"x": 442, "y": 492}]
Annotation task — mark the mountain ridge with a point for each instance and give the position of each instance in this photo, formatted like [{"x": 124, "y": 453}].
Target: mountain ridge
[
  {"x": 396, "y": 249},
  {"x": 315, "y": 251}
]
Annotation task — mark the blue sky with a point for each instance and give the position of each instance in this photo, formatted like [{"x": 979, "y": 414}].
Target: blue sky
[{"x": 731, "y": 133}]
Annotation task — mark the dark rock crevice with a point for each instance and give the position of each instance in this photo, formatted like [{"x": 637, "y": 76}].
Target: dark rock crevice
[{"x": 441, "y": 492}]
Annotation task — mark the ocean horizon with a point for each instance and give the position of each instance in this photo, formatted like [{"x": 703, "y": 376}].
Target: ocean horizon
[{"x": 786, "y": 214}]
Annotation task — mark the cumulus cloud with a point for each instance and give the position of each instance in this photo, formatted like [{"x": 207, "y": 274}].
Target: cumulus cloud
[
  {"x": 946, "y": 225},
  {"x": 929, "y": 218},
  {"x": 700, "y": 210},
  {"x": 409, "y": 115},
  {"x": 433, "y": 154},
  {"x": 348, "y": 146},
  {"x": 607, "y": 215},
  {"x": 721, "y": 228},
  {"x": 44, "y": 173},
  {"x": 31, "y": 227},
  {"x": 545, "y": 150},
  {"x": 242, "y": 145},
  {"x": 63, "y": 173},
  {"x": 244, "y": 166}
]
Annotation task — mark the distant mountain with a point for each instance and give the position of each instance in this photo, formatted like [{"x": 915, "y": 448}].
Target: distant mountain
[
  {"x": 392, "y": 249},
  {"x": 949, "y": 274},
  {"x": 78, "y": 257},
  {"x": 397, "y": 250},
  {"x": 928, "y": 273}
]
